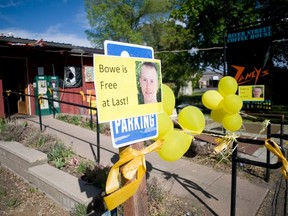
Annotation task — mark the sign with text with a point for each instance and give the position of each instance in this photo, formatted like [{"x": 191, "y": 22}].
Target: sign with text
[
  {"x": 119, "y": 89},
  {"x": 123, "y": 132},
  {"x": 116, "y": 48},
  {"x": 130, "y": 130},
  {"x": 252, "y": 92}
]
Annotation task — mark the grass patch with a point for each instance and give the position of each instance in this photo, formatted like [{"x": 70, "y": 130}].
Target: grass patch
[
  {"x": 84, "y": 122},
  {"x": 59, "y": 155}
]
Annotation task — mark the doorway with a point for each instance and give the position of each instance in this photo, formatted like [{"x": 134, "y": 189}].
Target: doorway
[{"x": 13, "y": 75}]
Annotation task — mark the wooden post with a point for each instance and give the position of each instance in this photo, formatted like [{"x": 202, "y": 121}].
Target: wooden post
[{"x": 137, "y": 205}]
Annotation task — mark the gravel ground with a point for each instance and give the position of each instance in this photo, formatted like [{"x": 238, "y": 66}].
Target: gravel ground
[{"x": 18, "y": 198}]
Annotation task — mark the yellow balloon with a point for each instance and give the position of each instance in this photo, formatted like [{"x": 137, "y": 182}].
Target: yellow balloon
[
  {"x": 232, "y": 122},
  {"x": 227, "y": 85},
  {"x": 176, "y": 143},
  {"x": 165, "y": 124},
  {"x": 232, "y": 103},
  {"x": 217, "y": 115},
  {"x": 168, "y": 99},
  {"x": 192, "y": 118},
  {"x": 212, "y": 99}
]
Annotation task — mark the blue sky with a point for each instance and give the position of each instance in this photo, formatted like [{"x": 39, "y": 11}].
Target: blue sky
[{"x": 61, "y": 21}]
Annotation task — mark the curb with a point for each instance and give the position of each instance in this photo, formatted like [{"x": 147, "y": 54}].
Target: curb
[{"x": 32, "y": 166}]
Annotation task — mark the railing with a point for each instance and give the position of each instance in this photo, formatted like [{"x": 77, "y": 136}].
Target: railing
[
  {"x": 50, "y": 101},
  {"x": 275, "y": 118}
]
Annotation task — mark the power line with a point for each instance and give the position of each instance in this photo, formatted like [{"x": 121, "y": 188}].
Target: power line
[{"x": 191, "y": 50}]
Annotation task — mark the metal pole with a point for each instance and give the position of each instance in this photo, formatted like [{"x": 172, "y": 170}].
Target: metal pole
[
  {"x": 39, "y": 111},
  {"x": 233, "y": 180},
  {"x": 267, "y": 175},
  {"x": 225, "y": 56},
  {"x": 53, "y": 108},
  {"x": 8, "y": 108},
  {"x": 282, "y": 130},
  {"x": 98, "y": 138},
  {"x": 91, "y": 116}
]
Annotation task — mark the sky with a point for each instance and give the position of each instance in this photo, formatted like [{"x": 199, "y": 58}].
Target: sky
[{"x": 62, "y": 21}]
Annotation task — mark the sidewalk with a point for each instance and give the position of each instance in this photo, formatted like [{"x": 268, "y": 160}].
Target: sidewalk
[{"x": 202, "y": 184}]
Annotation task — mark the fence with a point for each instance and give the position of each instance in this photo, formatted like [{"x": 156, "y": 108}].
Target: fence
[
  {"x": 51, "y": 106},
  {"x": 276, "y": 118}
]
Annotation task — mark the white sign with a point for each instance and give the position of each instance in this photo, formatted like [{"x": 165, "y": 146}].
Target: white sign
[{"x": 131, "y": 130}]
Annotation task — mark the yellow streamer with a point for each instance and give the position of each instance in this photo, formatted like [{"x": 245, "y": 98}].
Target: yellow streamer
[
  {"x": 274, "y": 148},
  {"x": 50, "y": 91},
  {"x": 133, "y": 163},
  {"x": 40, "y": 98},
  {"x": 265, "y": 124},
  {"x": 225, "y": 142},
  {"x": 83, "y": 96}
]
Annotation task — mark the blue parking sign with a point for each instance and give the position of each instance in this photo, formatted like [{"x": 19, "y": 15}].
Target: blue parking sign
[
  {"x": 131, "y": 130},
  {"x": 127, "y": 50}
]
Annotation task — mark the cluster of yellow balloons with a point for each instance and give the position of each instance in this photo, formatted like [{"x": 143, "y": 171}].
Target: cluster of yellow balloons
[
  {"x": 177, "y": 142},
  {"x": 225, "y": 105}
]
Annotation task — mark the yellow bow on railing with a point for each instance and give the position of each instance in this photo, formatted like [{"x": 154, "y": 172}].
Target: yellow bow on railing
[
  {"x": 225, "y": 142},
  {"x": 40, "y": 99},
  {"x": 8, "y": 92},
  {"x": 50, "y": 91},
  {"x": 83, "y": 96},
  {"x": 133, "y": 163},
  {"x": 275, "y": 149}
]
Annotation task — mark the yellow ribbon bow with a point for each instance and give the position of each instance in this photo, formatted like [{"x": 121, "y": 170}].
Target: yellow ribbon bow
[
  {"x": 83, "y": 96},
  {"x": 40, "y": 99},
  {"x": 132, "y": 162},
  {"x": 8, "y": 92},
  {"x": 274, "y": 148},
  {"x": 50, "y": 91},
  {"x": 225, "y": 142}
]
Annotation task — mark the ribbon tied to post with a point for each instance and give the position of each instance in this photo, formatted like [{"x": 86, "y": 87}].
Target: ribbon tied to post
[
  {"x": 132, "y": 163},
  {"x": 275, "y": 149}
]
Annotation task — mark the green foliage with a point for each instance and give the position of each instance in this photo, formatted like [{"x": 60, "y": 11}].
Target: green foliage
[
  {"x": 3, "y": 193},
  {"x": 82, "y": 167},
  {"x": 59, "y": 155},
  {"x": 11, "y": 130},
  {"x": 2, "y": 124},
  {"x": 83, "y": 122},
  {"x": 13, "y": 203},
  {"x": 208, "y": 20},
  {"x": 79, "y": 210},
  {"x": 121, "y": 20}
]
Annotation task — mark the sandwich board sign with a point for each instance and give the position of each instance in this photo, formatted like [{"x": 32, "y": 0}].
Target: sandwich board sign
[{"x": 131, "y": 130}]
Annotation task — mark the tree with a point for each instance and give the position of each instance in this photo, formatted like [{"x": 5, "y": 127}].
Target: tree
[
  {"x": 169, "y": 40},
  {"x": 121, "y": 20},
  {"x": 143, "y": 22},
  {"x": 208, "y": 21},
  {"x": 276, "y": 11}
]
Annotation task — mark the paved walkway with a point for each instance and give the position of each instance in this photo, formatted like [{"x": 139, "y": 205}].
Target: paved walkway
[{"x": 207, "y": 187}]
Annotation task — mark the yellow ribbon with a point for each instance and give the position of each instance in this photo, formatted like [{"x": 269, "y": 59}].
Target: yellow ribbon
[
  {"x": 50, "y": 91},
  {"x": 83, "y": 96},
  {"x": 40, "y": 98},
  {"x": 8, "y": 92},
  {"x": 274, "y": 148},
  {"x": 225, "y": 142},
  {"x": 265, "y": 124},
  {"x": 133, "y": 163}
]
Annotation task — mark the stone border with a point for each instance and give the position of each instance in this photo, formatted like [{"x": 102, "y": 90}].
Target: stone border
[{"x": 32, "y": 166}]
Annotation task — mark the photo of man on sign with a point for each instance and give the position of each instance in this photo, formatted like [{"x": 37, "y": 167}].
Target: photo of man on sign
[
  {"x": 257, "y": 92},
  {"x": 148, "y": 82}
]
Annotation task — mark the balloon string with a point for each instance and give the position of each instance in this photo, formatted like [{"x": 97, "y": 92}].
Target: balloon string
[
  {"x": 188, "y": 131},
  {"x": 265, "y": 124}
]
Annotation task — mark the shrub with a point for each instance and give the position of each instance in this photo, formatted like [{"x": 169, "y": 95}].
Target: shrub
[{"x": 59, "y": 155}]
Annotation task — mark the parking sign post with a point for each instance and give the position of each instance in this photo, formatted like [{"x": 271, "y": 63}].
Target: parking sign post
[{"x": 138, "y": 203}]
